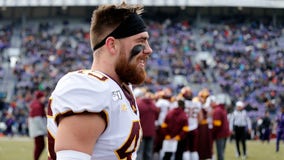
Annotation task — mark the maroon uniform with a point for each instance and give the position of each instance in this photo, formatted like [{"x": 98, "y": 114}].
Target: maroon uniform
[
  {"x": 37, "y": 123},
  {"x": 220, "y": 129},
  {"x": 193, "y": 110},
  {"x": 176, "y": 123},
  {"x": 220, "y": 123},
  {"x": 175, "y": 127},
  {"x": 205, "y": 139},
  {"x": 192, "y": 140},
  {"x": 148, "y": 114},
  {"x": 37, "y": 109}
]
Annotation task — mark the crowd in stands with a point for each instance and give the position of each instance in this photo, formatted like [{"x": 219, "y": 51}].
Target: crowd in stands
[{"x": 248, "y": 60}]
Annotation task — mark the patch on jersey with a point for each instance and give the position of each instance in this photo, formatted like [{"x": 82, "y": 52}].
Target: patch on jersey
[
  {"x": 123, "y": 107},
  {"x": 116, "y": 95}
]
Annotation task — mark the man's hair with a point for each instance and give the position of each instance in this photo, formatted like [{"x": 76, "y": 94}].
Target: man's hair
[
  {"x": 107, "y": 17},
  {"x": 181, "y": 104}
]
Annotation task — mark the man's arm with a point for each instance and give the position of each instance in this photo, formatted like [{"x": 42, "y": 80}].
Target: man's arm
[
  {"x": 249, "y": 125},
  {"x": 217, "y": 118},
  {"x": 231, "y": 122},
  {"x": 79, "y": 132}
]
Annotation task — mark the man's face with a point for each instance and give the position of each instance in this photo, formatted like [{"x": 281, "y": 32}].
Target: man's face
[
  {"x": 130, "y": 66},
  {"x": 239, "y": 108},
  {"x": 213, "y": 104}
]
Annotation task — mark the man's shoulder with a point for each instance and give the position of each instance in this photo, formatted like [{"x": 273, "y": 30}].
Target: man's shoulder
[
  {"x": 162, "y": 101},
  {"x": 85, "y": 82},
  {"x": 86, "y": 76},
  {"x": 83, "y": 90}
]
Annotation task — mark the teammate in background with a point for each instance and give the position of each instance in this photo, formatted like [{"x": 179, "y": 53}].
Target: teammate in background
[
  {"x": 164, "y": 104},
  {"x": 175, "y": 127},
  {"x": 205, "y": 139},
  {"x": 280, "y": 128},
  {"x": 148, "y": 115},
  {"x": 93, "y": 113},
  {"x": 220, "y": 129},
  {"x": 37, "y": 123},
  {"x": 192, "y": 108},
  {"x": 186, "y": 93},
  {"x": 240, "y": 124}
]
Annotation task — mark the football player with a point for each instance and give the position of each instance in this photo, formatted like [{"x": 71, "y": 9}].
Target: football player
[{"x": 92, "y": 113}]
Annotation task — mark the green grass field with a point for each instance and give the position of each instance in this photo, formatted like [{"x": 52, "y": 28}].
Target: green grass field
[{"x": 22, "y": 149}]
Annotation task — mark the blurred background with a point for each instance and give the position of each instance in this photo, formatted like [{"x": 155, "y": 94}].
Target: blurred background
[{"x": 235, "y": 48}]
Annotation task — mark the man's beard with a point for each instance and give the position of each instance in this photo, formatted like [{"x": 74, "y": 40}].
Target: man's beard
[{"x": 128, "y": 70}]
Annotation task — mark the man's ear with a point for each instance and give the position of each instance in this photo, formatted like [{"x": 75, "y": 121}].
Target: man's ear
[{"x": 111, "y": 45}]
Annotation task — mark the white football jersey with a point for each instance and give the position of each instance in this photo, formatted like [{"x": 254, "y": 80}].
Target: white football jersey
[
  {"x": 93, "y": 91},
  {"x": 164, "y": 106},
  {"x": 193, "y": 109}
]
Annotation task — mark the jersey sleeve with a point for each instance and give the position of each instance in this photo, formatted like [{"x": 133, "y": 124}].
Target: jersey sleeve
[{"x": 79, "y": 92}]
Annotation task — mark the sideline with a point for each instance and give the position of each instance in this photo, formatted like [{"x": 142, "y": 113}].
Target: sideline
[{"x": 15, "y": 138}]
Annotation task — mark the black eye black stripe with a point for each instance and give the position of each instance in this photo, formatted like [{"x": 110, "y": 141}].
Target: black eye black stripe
[{"x": 136, "y": 50}]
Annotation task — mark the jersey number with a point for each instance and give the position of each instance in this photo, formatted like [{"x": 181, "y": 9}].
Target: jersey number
[
  {"x": 193, "y": 112},
  {"x": 130, "y": 146}
]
